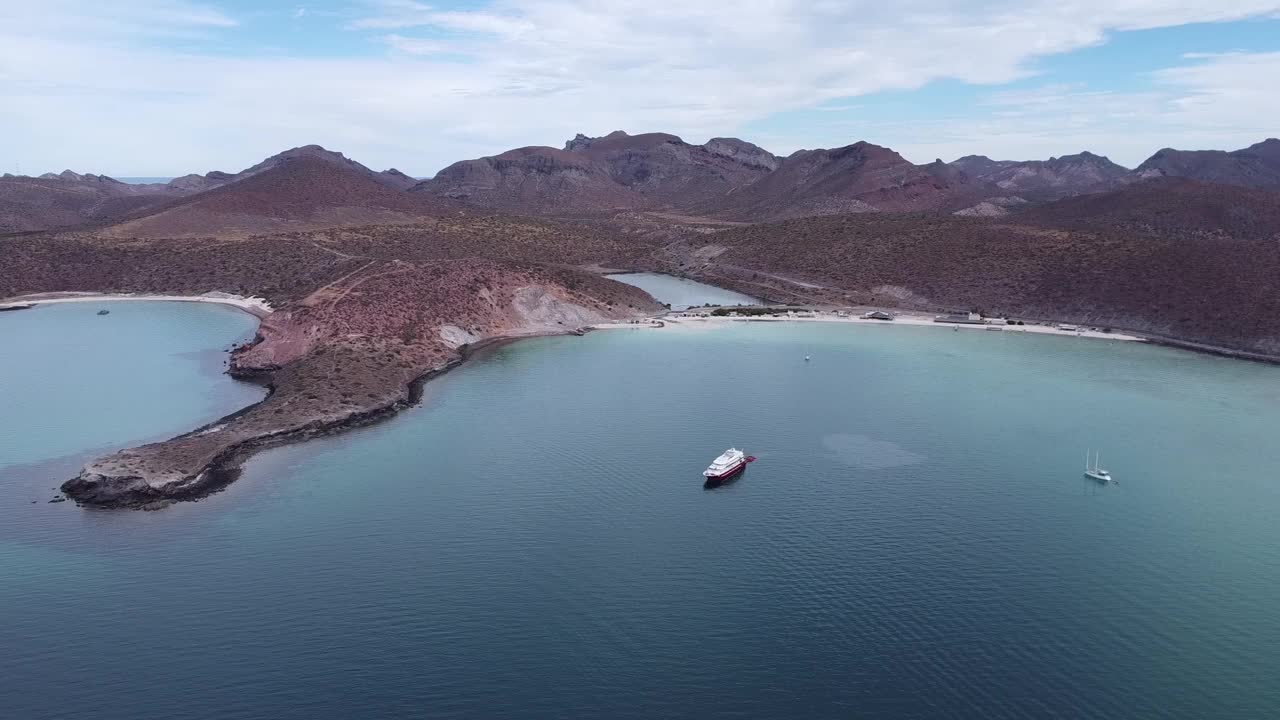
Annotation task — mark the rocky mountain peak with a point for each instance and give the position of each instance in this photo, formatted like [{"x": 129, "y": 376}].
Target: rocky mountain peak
[
  {"x": 742, "y": 151},
  {"x": 72, "y": 176},
  {"x": 579, "y": 142}
]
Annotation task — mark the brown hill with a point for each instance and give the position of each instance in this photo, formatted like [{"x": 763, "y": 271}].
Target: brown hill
[
  {"x": 1168, "y": 207},
  {"x": 1050, "y": 179},
  {"x": 857, "y": 178},
  {"x": 1137, "y": 258},
  {"x": 669, "y": 172},
  {"x": 532, "y": 181},
  {"x": 605, "y": 174},
  {"x": 296, "y": 193},
  {"x": 69, "y": 200},
  {"x": 197, "y": 183},
  {"x": 1256, "y": 166}
]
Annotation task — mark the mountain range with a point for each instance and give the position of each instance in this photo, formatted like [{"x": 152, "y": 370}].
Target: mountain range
[
  {"x": 722, "y": 180},
  {"x": 614, "y": 172},
  {"x": 731, "y": 179},
  {"x": 70, "y": 199},
  {"x": 732, "y": 213}
]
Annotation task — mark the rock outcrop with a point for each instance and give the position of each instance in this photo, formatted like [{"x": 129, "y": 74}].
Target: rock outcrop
[{"x": 1051, "y": 179}]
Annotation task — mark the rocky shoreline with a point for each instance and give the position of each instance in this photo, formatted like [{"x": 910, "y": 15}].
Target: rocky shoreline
[
  {"x": 91, "y": 489},
  {"x": 107, "y": 491},
  {"x": 352, "y": 351}
]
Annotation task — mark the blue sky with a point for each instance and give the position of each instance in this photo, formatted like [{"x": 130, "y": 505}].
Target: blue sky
[{"x": 164, "y": 87}]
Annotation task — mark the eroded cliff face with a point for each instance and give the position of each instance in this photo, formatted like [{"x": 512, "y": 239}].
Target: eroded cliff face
[{"x": 350, "y": 353}]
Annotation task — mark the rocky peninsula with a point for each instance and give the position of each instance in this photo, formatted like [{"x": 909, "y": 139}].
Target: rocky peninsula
[{"x": 352, "y": 352}]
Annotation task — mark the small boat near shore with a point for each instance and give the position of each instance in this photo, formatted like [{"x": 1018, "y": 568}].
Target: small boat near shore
[{"x": 16, "y": 306}]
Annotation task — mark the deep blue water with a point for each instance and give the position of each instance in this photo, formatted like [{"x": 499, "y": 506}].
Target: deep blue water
[{"x": 916, "y": 540}]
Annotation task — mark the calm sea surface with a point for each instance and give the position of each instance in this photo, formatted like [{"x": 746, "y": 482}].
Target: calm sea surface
[
  {"x": 916, "y": 539},
  {"x": 682, "y": 293}
]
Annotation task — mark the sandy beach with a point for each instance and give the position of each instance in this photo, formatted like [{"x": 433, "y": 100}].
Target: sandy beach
[
  {"x": 679, "y": 319},
  {"x": 254, "y": 306}
]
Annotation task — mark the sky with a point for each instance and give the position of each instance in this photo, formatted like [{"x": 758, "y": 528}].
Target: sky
[{"x": 167, "y": 87}]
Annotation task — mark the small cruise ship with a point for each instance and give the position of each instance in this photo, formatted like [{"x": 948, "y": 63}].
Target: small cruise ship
[{"x": 730, "y": 463}]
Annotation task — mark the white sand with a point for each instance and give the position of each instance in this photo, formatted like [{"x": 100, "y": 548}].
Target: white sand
[
  {"x": 624, "y": 325},
  {"x": 253, "y": 305},
  {"x": 675, "y": 320}
]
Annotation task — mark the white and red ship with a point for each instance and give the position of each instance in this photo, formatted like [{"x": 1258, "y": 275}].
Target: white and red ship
[{"x": 730, "y": 463}]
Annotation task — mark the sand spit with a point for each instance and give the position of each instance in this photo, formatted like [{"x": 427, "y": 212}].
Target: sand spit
[
  {"x": 253, "y": 305},
  {"x": 698, "y": 319}
]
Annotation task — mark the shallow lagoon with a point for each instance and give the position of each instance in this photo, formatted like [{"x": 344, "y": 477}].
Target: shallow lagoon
[{"x": 683, "y": 293}]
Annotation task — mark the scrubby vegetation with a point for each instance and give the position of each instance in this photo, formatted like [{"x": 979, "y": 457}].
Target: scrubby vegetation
[
  {"x": 1170, "y": 268},
  {"x": 748, "y": 311}
]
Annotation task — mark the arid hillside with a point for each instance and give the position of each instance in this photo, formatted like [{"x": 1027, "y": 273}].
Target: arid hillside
[
  {"x": 297, "y": 193},
  {"x": 1160, "y": 264},
  {"x": 195, "y": 182},
  {"x": 530, "y": 181},
  {"x": 1168, "y": 207},
  {"x": 669, "y": 172},
  {"x": 284, "y": 267},
  {"x": 73, "y": 200},
  {"x": 857, "y": 178},
  {"x": 1051, "y": 179},
  {"x": 70, "y": 200},
  {"x": 1257, "y": 166},
  {"x": 603, "y": 175}
]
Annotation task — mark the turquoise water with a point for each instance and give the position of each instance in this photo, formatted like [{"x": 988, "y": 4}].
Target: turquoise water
[
  {"x": 682, "y": 293},
  {"x": 73, "y": 381},
  {"x": 915, "y": 540}
]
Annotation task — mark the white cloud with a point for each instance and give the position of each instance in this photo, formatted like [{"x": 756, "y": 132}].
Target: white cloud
[
  {"x": 1221, "y": 101},
  {"x": 536, "y": 71},
  {"x": 103, "y": 21},
  {"x": 395, "y": 14},
  {"x": 416, "y": 46}
]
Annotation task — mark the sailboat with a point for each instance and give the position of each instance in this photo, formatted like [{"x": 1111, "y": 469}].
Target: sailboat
[{"x": 1093, "y": 470}]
